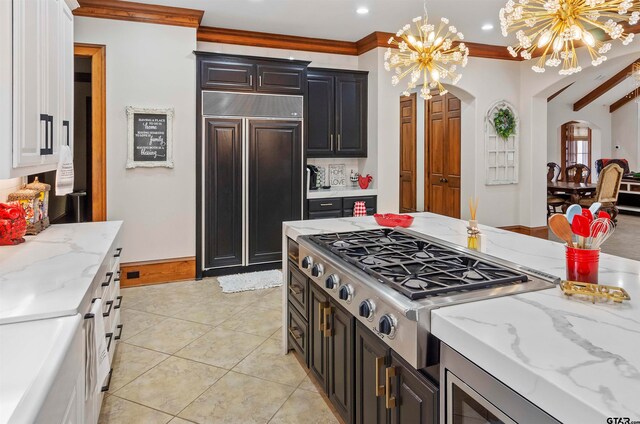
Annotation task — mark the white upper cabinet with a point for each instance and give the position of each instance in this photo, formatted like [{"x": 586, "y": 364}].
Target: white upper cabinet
[{"x": 39, "y": 99}]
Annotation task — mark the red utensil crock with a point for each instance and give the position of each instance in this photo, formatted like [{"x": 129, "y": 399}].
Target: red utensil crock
[{"x": 582, "y": 265}]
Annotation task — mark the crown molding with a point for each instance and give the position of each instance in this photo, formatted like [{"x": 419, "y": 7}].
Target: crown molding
[
  {"x": 275, "y": 41},
  {"x": 140, "y": 12}
]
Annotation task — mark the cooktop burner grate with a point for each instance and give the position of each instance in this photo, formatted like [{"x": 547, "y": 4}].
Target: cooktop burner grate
[{"x": 415, "y": 267}]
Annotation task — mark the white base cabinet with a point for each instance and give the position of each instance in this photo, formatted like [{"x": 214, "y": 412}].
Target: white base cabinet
[{"x": 36, "y": 77}]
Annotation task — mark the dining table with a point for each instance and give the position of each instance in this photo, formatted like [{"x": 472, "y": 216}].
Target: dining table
[{"x": 576, "y": 191}]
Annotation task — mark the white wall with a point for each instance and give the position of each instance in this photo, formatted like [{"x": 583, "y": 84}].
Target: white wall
[
  {"x": 9, "y": 186},
  {"x": 596, "y": 116},
  {"x": 626, "y": 134},
  {"x": 149, "y": 65}
]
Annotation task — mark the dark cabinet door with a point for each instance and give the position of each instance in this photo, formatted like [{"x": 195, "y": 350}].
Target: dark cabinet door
[
  {"x": 275, "y": 185},
  {"x": 320, "y": 115},
  {"x": 317, "y": 341},
  {"x": 371, "y": 360},
  {"x": 281, "y": 79},
  {"x": 414, "y": 400},
  {"x": 341, "y": 355},
  {"x": 227, "y": 75},
  {"x": 223, "y": 192},
  {"x": 351, "y": 115}
]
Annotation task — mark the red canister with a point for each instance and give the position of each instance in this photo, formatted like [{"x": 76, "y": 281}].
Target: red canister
[{"x": 582, "y": 265}]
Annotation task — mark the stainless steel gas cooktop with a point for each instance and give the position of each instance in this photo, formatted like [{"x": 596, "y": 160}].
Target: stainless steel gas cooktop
[{"x": 391, "y": 280}]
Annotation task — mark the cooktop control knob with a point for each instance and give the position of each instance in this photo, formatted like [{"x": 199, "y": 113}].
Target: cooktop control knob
[
  {"x": 317, "y": 270},
  {"x": 332, "y": 282},
  {"x": 366, "y": 309},
  {"x": 346, "y": 293},
  {"x": 307, "y": 262},
  {"x": 387, "y": 325}
]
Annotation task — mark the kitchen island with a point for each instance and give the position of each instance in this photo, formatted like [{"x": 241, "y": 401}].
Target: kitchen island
[{"x": 577, "y": 361}]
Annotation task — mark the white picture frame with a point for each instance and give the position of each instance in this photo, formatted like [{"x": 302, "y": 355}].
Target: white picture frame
[{"x": 135, "y": 152}]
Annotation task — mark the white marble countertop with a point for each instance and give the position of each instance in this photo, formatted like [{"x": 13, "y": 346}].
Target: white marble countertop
[
  {"x": 577, "y": 361},
  {"x": 49, "y": 275},
  {"x": 31, "y": 354},
  {"x": 341, "y": 192}
]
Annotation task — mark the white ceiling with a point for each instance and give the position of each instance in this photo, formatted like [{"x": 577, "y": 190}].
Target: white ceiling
[
  {"x": 591, "y": 78},
  {"x": 338, "y": 20}
]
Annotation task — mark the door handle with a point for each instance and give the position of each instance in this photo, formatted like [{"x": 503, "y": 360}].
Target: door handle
[
  {"x": 327, "y": 330},
  {"x": 331, "y": 138},
  {"x": 339, "y": 141},
  {"x": 251, "y": 80},
  {"x": 320, "y": 324},
  {"x": 50, "y": 149},
  {"x": 379, "y": 365},
  {"x": 390, "y": 401},
  {"x": 45, "y": 118},
  {"x": 66, "y": 125},
  {"x": 260, "y": 80}
]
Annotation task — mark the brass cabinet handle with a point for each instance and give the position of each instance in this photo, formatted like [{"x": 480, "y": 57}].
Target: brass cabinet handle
[
  {"x": 379, "y": 365},
  {"x": 295, "y": 333},
  {"x": 295, "y": 289},
  {"x": 327, "y": 330},
  {"x": 390, "y": 400}
]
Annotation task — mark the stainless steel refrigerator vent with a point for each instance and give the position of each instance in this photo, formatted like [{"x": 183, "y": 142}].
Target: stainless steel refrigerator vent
[{"x": 251, "y": 105}]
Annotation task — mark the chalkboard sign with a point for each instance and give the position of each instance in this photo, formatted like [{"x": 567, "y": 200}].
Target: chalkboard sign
[{"x": 150, "y": 141}]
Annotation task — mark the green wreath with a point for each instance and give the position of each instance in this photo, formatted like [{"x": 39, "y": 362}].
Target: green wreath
[{"x": 505, "y": 123}]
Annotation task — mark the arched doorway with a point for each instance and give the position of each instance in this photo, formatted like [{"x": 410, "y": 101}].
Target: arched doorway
[{"x": 576, "y": 147}]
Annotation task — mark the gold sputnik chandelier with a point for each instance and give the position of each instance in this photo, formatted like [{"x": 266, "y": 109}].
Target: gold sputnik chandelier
[
  {"x": 556, "y": 26},
  {"x": 431, "y": 54}
]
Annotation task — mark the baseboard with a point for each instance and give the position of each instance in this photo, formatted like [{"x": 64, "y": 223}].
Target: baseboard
[
  {"x": 539, "y": 232},
  {"x": 155, "y": 272}
]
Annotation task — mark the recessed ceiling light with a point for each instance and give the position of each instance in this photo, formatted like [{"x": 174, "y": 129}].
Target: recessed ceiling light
[
  {"x": 362, "y": 11},
  {"x": 487, "y": 27}
]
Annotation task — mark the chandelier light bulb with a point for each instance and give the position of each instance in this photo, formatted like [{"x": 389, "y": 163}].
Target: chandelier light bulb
[
  {"x": 428, "y": 55},
  {"x": 554, "y": 29}
]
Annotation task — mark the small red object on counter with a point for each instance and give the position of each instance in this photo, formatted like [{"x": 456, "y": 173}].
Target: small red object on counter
[
  {"x": 393, "y": 220},
  {"x": 364, "y": 181},
  {"x": 13, "y": 224}
]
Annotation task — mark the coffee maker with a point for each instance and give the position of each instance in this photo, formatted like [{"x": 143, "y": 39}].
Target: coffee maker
[{"x": 312, "y": 177}]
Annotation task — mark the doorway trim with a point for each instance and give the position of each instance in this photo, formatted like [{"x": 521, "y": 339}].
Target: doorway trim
[{"x": 97, "y": 54}]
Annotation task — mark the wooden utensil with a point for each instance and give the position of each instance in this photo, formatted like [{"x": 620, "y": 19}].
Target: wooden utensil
[
  {"x": 581, "y": 227},
  {"x": 561, "y": 228}
]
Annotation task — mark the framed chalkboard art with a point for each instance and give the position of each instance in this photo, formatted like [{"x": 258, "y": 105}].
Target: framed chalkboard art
[{"x": 150, "y": 137}]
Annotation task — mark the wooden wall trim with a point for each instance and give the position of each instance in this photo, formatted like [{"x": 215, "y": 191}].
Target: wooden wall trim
[
  {"x": 156, "y": 272},
  {"x": 603, "y": 88},
  {"x": 557, "y": 93},
  {"x": 97, "y": 54},
  {"x": 140, "y": 12},
  {"x": 623, "y": 101},
  {"x": 539, "y": 232},
  {"x": 275, "y": 41}
]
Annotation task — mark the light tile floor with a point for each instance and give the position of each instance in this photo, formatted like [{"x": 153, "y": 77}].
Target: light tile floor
[{"x": 192, "y": 354}]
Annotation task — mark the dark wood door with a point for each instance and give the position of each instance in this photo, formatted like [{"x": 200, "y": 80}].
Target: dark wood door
[
  {"x": 408, "y": 158},
  {"x": 341, "y": 355},
  {"x": 372, "y": 357},
  {"x": 443, "y": 155},
  {"x": 275, "y": 185},
  {"x": 223, "y": 192},
  {"x": 228, "y": 75},
  {"x": 414, "y": 396},
  {"x": 320, "y": 115},
  {"x": 351, "y": 115},
  {"x": 318, "y": 363},
  {"x": 281, "y": 79}
]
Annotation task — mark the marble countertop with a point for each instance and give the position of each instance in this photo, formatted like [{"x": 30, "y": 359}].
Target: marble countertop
[
  {"x": 31, "y": 354},
  {"x": 49, "y": 275},
  {"x": 577, "y": 361},
  {"x": 341, "y": 192}
]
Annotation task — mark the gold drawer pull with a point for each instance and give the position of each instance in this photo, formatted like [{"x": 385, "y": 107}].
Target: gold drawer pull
[
  {"x": 390, "y": 400},
  {"x": 327, "y": 330},
  {"x": 379, "y": 365},
  {"x": 295, "y": 289},
  {"x": 295, "y": 333}
]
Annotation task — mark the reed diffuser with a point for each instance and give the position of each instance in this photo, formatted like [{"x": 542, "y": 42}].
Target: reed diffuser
[{"x": 473, "y": 233}]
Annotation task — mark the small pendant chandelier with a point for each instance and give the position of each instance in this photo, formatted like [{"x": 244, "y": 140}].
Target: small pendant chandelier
[
  {"x": 557, "y": 27},
  {"x": 431, "y": 54}
]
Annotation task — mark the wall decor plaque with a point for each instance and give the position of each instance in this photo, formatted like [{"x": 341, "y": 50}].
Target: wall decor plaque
[{"x": 150, "y": 137}]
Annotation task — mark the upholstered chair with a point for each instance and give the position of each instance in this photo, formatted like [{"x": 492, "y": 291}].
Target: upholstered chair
[
  {"x": 607, "y": 190},
  {"x": 577, "y": 173}
]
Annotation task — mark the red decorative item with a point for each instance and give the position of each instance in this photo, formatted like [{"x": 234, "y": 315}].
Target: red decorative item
[
  {"x": 393, "y": 220},
  {"x": 582, "y": 265},
  {"x": 359, "y": 208},
  {"x": 13, "y": 224},
  {"x": 364, "y": 181}
]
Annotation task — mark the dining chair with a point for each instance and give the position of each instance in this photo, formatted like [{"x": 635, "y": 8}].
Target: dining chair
[
  {"x": 553, "y": 201},
  {"x": 607, "y": 190},
  {"x": 578, "y": 173}
]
